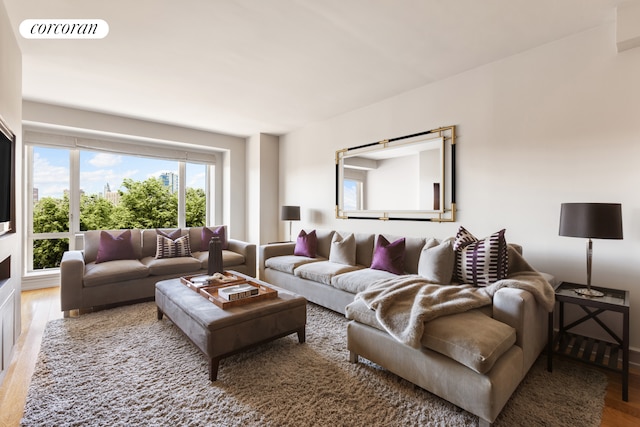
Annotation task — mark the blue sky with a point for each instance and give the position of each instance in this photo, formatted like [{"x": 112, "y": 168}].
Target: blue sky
[{"x": 51, "y": 171}]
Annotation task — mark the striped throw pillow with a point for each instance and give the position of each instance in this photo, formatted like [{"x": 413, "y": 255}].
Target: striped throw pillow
[
  {"x": 480, "y": 262},
  {"x": 167, "y": 248}
]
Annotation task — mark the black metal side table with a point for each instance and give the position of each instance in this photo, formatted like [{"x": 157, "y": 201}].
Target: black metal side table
[{"x": 590, "y": 350}]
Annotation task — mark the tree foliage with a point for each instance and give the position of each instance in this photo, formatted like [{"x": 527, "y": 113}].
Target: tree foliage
[{"x": 143, "y": 204}]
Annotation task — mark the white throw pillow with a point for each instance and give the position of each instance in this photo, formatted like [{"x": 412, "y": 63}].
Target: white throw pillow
[
  {"x": 437, "y": 261},
  {"x": 343, "y": 250}
]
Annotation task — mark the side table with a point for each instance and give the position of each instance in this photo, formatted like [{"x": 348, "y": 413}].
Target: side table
[{"x": 590, "y": 350}]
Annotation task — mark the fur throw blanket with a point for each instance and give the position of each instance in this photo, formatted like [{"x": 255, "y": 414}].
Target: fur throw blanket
[{"x": 404, "y": 303}]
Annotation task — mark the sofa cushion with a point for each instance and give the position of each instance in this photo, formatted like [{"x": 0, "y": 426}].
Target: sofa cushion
[
  {"x": 170, "y": 248},
  {"x": 323, "y": 271},
  {"x": 389, "y": 256},
  {"x": 470, "y": 338},
  {"x": 288, "y": 263},
  {"x": 357, "y": 281},
  {"x": 208, "y": 233},
  {"x": 114, "y": 247},
  {"x": 113, "y": 271},
  {"x": 412, "y": 249},
  {"x": 150, "y": 239},
  {"x": 306, "y": 244},
  {"x": 229, "y": 258},
  {"x": 160, "y": 267},
  {"x": 480, "y": 262},
  {"x": 92, "y": 243},
  {"x": 343, "y": 249},
  {"x": 437, "y": 261}
]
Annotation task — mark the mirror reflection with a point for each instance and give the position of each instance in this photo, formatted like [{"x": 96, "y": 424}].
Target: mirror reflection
[{"x": 402, "y": 178}]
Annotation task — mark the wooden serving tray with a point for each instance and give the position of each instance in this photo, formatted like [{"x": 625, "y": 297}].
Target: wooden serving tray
[
  {"x": 186, "y": 280},
  {"x": 211, "y": 293}
]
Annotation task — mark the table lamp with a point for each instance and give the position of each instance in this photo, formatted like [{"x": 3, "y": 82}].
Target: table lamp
[
  {"x": 290, "y": 213},
  {"x": 591, "y": 221}
]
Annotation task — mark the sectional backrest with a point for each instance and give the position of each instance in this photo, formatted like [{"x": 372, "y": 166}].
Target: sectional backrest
[
  {"x": 92, "y": 243},
  {"x": 150, "y": 240},
  {"x": 413, "y": 249},
  {"x": 195, "y": 237}
]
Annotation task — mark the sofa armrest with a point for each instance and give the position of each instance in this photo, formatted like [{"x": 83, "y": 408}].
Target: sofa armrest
[
  {"x": 272, "y": 250},
  {"x": 248, "y": 251},
  {"x": 71, "y": 277},
  {"x": 520, "y": 310}
]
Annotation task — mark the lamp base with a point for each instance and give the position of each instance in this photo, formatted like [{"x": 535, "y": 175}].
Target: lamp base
[{"x": 589, "y": 292}]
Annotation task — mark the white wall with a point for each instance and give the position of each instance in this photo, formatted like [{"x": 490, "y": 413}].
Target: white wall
[
  {"x": 262, "y": 188},
  {"x": 559, "y": 123},
  {"x": 11, "y": 244},
  {"x": 234, "y": 158}
]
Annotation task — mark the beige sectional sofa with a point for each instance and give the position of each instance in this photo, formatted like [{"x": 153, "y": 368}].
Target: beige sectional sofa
[
  {"x": 85, "y": 283},
  {"x": 474, "y": 359}
]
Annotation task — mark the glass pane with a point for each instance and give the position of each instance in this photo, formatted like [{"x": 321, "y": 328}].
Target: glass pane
[
  {"x": 47, "y": 253},
  {"x": 119, "y": 192},
  {"x": 196, "y": 200},
  {"x": 50, "y": 190},
  {"x": 352, "y": 191}
]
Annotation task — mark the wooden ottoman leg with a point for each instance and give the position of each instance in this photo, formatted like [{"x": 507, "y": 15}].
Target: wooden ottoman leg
[
  {"x": 302, "y": 335},
  {"x": 159, "y": 313},
  {"x": 214, "y": 363}
]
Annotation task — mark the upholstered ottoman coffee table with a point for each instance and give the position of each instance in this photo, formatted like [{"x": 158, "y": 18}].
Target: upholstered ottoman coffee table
[{"x": 218, "y": 332}]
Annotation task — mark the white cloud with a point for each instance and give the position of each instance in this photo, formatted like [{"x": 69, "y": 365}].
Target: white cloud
[
  {"x": 50, "y": 180},
  {"x": 102, "y": 160}
]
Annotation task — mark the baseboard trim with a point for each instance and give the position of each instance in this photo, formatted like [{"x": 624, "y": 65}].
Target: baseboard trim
[{"x": 40, "y": 281}]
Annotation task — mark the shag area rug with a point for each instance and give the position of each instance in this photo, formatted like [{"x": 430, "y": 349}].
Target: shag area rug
[{"x": 123, "y": 367}]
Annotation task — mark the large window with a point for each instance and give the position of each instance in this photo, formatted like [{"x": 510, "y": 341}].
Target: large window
[{"x": 75, "y": 190}]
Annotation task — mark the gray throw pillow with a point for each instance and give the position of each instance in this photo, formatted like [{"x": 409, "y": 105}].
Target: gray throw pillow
[
  {"x": 343, "y": 250},
  {"x": 437, "y": 262}
]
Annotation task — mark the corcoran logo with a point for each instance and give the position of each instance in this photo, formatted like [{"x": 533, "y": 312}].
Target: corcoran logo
[{"x": 64, "y": 29}]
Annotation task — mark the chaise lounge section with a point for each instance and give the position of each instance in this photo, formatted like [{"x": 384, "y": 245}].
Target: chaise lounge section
[
  {"x": 474, "y": 359},
  {"x": 86, "y": 283}
]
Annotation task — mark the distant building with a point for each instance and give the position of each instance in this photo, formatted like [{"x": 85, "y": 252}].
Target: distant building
[
  {"x": 170, "y": 180},
  {"x": 112, "y": 196},
  {"x": 36, "y": 197}
]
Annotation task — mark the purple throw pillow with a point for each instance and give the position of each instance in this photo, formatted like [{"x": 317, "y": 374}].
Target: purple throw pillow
[
  {"x": 306, "y": 244},
  {"x": 389, "y": 256},
  {"x": 172, "y": 235},
  {"x": 113, "y": 248},
  {"x": 208, "y": 233}
]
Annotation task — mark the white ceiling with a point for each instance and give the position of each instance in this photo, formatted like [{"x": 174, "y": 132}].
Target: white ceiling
[{"x": 243, "y": 67}]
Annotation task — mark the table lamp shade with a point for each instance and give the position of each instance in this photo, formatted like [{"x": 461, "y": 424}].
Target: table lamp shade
[
  {"x": 290, "y": 213},
  {"x": 591, "y": 220}
]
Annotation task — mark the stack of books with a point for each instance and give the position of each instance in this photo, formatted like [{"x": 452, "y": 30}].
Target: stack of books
[{"x": 235, "y": 292}]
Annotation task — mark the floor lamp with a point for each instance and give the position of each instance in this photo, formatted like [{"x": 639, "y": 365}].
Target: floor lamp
[
  {"x": 290, "y": 213},
  {"x": 591, "y": 221}
]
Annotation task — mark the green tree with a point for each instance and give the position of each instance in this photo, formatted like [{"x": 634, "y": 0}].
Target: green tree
[
  {"x": 96, "y": 213},
  {"x": 50, "y": 215},
  {"x": 146, "y": 204},
  {"x": 196, "y": 207}
]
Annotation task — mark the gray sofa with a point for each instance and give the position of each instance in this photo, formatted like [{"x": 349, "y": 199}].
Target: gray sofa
[
  {"x": 474, "y": 359},
  {"x": 85, "y": 283}
]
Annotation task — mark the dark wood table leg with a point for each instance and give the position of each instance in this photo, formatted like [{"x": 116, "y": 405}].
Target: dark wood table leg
[
  {"x": 302, "y": 335},
  {"x": 214, "y": 364},
  {"x": 550, "y": 343},
  {"x": 625, "y": 356}
]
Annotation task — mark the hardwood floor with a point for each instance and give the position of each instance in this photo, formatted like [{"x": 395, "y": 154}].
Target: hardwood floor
[{"x": 40, "y": 306}]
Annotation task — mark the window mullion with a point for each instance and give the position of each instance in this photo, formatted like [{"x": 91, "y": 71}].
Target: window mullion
[
  {"x": 74, "y": 196},
  {"x": 182, "y": 194}
]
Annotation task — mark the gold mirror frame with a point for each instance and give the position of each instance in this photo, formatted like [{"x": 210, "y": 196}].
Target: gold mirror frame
[{"x": 433, "y": 186}]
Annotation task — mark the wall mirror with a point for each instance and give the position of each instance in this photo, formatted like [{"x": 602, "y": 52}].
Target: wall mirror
[{"x": 410, "y": 177}]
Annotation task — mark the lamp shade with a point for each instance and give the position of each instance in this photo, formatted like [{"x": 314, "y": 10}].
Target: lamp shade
[
  {"x": 591, "y": 220},
  {"x": 290, "y": 213}
]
